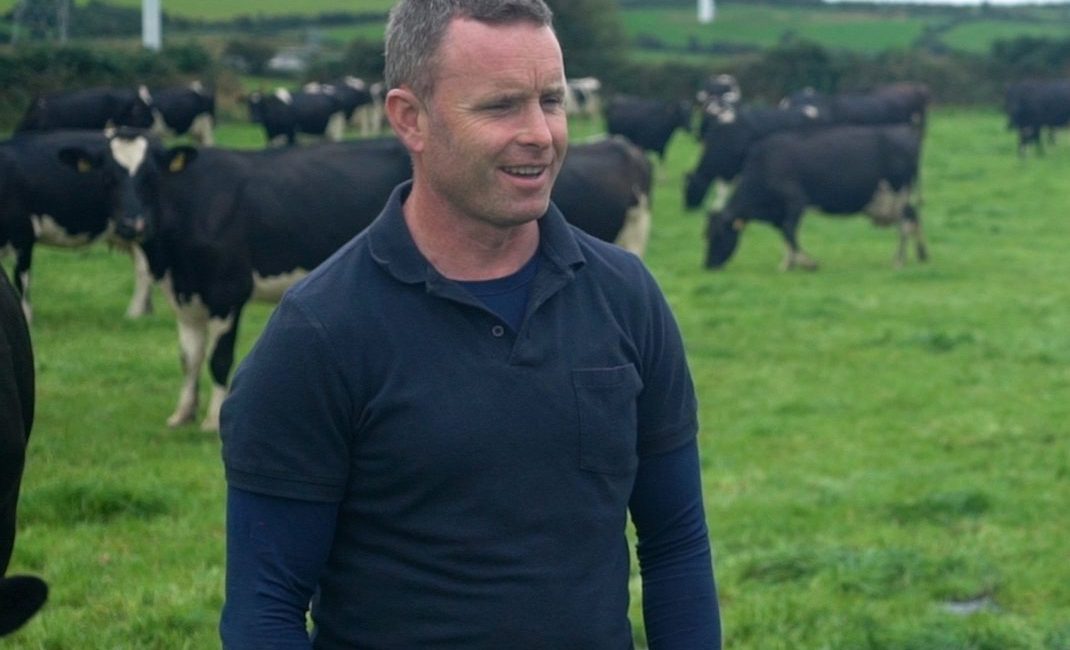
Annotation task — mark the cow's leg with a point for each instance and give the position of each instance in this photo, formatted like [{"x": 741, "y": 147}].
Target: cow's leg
[
  {"x": 794, "y": 256},
  {"x": 635, "y": 233},
  {"x": 192, "y": 320},
  {"x": 222, "y": 335},
  {"x": 141, "y": 300},
  {"x": 336, "y": 127},
  {"x": 911, "y": 227},
  {"x": 202, "y": 129},
  {"x": 23, "y": 260}
]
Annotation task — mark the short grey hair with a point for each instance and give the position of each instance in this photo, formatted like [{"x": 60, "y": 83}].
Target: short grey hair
[{"x": 416, "y": 28}]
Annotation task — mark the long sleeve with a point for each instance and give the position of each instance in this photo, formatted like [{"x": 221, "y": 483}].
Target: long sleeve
[
  {"x": 276, "y": 550},
  {"x": 680, "y": 608}
]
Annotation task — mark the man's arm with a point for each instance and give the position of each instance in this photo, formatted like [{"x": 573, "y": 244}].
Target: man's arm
[
  {"x": 680, "y": 609},
  {"x": 276, "y": 550}
]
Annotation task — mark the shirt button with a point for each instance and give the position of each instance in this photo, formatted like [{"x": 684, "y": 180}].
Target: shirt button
[{"x": 498, "y": 331}]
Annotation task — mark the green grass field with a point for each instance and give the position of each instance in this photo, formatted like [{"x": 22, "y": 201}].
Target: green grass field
[{"x": 882, "y": 448}]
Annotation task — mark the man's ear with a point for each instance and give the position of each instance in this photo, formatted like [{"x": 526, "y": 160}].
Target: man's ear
[{"x": 407, "y": 116}]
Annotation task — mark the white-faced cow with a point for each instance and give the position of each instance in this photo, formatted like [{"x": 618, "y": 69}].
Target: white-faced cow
[
  {"x": 648, "y": 123},
  {"x": 43, "y": 201},
  {"x": 839, "y": 170},
  {"x": 717, "y": 99},
  {"x": 222, "y": 227},
  {"x": 284, "y": 114},
  {"x": 20, "y": 596},
  {"x": 727, "y": 140},
  {"x": 89, "y": 108},
  {"x": 1034, "y": 105},
  {"x": 184, "y": 109}
]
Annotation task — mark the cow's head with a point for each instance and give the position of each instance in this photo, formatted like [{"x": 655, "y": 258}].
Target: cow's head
[
  {"x": 137, "y": 111},
  {"x": 722, "y": 238},
  {"x": 132, "y": 164}
]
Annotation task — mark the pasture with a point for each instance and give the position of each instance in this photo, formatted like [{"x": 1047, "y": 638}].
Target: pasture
[{"x": 884, "y": 456}]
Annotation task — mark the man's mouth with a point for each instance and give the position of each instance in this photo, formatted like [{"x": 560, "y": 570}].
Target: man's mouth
[{"x": 524, "y": 171}]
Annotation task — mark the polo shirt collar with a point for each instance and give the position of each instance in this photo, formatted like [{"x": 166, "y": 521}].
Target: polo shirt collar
[{"x": 393, "y": 248}]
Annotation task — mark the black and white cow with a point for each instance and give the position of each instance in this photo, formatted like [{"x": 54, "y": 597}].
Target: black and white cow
[
  {"x": 43, "y": 201},
  {"x": 583, "y": 97},
  {"x": 284, "y": 114},
  {"x": 898, "y": 103},
  {"x": 648, "y": 123},
  {"x": 222, "y": 227},
  {"x": 20, "y": 596},
  {"x": 838, "y": 170},
  {"x": 1034, "y": 105},
  {"x": 604, "y": 188},
  {"x": 89, "y": 108},
  {"x": 185, "y": 109},
  {"x": 356, "y": 99},
  {"x": 717, "y": 99},
  {"x": 727, "y": 140}
]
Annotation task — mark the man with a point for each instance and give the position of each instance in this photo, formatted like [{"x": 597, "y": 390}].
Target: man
[
  {"x": 439, "y": 435},
  {"x": 20, "y": 596}
]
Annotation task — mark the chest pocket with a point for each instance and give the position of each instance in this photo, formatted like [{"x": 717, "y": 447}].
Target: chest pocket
[{"x": 606, "y": 405}]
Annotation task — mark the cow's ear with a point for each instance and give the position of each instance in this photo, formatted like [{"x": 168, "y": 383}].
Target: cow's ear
[
  {"x": 79, "y": 159},
  {"x": 176, "y": 159}
]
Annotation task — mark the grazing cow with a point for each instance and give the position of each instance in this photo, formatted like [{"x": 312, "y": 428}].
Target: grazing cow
[
  {"x": 43, "y": 201},
  {"x": 717, "y": 100},
  {"x": 648, "y": 123},
  {"x": 727, "y": 141},
  {"x": 20, "y": 596},
  {"x": 222, "y": 227},
  {"x": 839, "y": 170},
  {"x": 1033, "y": 105},
  {"x": 604, "y": 189},
  {"x": 184, "y": 109},
  {"x": 90, "y": 108},
  {"x": 583, "y": 97},
  {"x": 284, "y": 114},
  {"x": 899, "y": 103}
]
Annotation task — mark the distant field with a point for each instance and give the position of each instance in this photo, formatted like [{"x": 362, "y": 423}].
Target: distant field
[
  {"x": 765, "y": 26},
  {"x": 979, "y": 36}
]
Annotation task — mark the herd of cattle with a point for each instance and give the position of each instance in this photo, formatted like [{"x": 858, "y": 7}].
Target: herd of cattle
[{"x": 215, "y": 228}]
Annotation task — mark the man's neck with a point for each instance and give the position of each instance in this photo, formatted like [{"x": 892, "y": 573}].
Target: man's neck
[{"x": 466, "y": 249}]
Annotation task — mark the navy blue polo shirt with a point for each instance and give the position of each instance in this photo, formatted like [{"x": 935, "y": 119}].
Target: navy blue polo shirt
[{"x": 482, "y": 473}]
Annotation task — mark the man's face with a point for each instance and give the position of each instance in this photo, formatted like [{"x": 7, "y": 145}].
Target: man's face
[{"x": 497, "y": 132}]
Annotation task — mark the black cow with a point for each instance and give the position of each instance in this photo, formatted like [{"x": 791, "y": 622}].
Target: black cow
[
  {"x": 727, "y": 141},
  {"x": 839, "y": 170},
  {"x": 222, "y": 227},
  {"x": 20, "y": 596},
  {"x": 184, "y": 109},
  {"x": 898, "y": 103},
  {"x": 90, "y": 108},
  {"x": 649, "y": 123},
  {"x": 43, "y": 201},
  {"x": 1034, "y": 105},
  {"x": 284, "y": 114}
]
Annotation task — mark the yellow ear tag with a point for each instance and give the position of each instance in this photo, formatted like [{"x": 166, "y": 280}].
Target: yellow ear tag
[
  {"x": 178, "y": 163},
  {"x": 84, "y": 166},
  {"x": 739, "y": 225}
]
